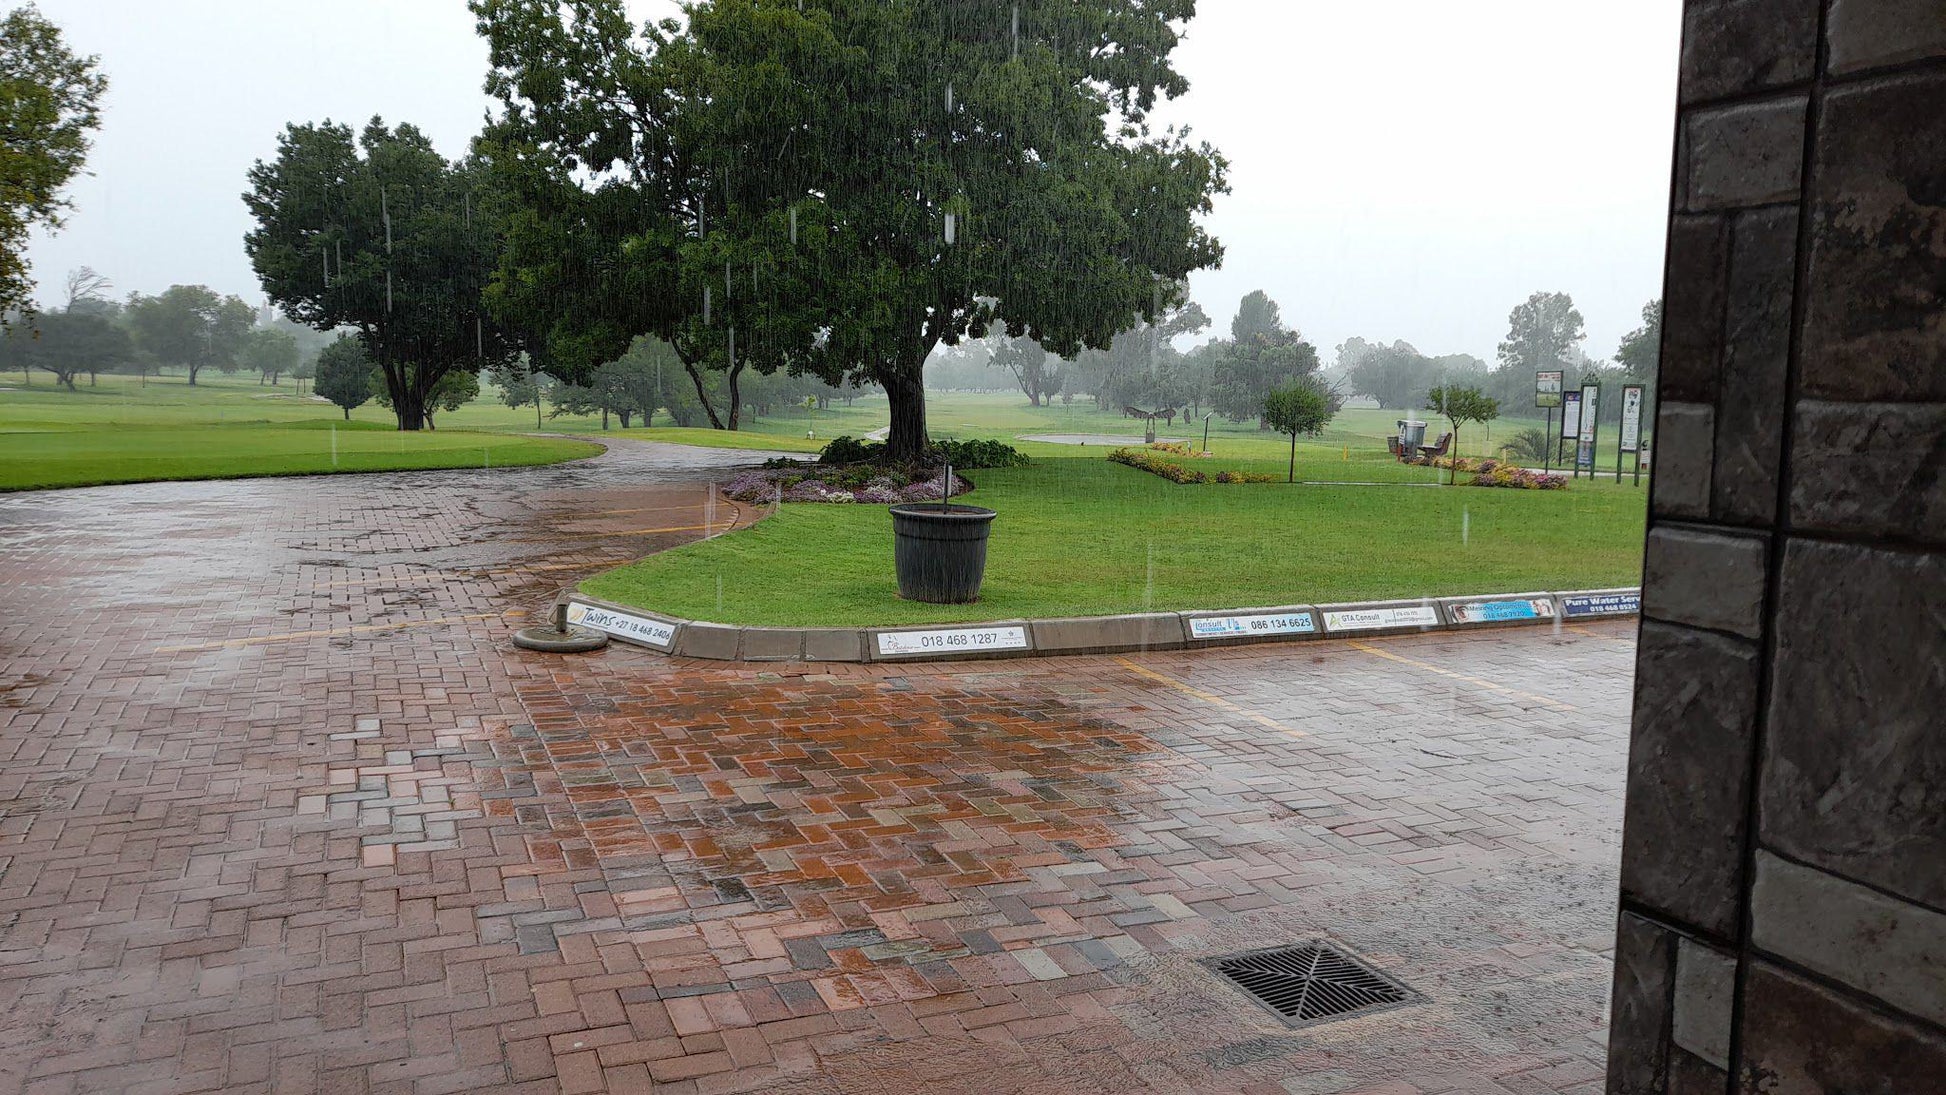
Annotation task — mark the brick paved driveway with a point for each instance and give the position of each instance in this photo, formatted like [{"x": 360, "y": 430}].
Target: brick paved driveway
[{"x": 281, "y": 810}]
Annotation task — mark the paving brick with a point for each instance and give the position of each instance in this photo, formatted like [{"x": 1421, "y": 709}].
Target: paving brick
[{"x": 623, "y": 869}]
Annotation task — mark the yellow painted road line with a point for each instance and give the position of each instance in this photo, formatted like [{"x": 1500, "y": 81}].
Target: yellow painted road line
[
  {"x": 721, "y": 526},
  {"x": 1167, "y": 681},
  {"x": 1476, "y": 682},
  {"x": 1580, "y": 630},
  {"x": 293, "y": 636}
]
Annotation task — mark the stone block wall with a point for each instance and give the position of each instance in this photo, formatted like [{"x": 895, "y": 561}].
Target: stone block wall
[{"x": 1783, "y": 924}]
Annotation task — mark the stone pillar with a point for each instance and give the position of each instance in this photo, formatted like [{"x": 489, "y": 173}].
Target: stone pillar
[{"x": 1783, "y": 923}]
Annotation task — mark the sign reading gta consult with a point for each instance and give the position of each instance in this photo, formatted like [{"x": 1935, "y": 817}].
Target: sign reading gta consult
[
  {"x": 623, "y": 626},
  {"x": 959, "y": 640},
  {"x": 1371, "y": 619}
]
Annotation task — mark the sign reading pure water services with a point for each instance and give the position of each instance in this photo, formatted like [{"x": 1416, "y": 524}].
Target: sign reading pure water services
[
  {"x": 1632, "y": 418},
  {"x": 958, "y": 640},
  {"x": 1602, "y": 604},
  {"x": 1260, "y": 624},
  {"x": 638, "y": 629},
  {"x": 1547, "y": 388}
]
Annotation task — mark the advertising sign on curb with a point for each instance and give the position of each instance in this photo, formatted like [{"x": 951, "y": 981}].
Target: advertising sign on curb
[
  {"x": 959, "y": 640},
  {"x": 1508, "y": 611},
  {"x": 1262, "y": 624},
  {"x": 1602, "y": 604},
  {"x": 638, "y": 629},
  {"x": 1372, "y": 619}
]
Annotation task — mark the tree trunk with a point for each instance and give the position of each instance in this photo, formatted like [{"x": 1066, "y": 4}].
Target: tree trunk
[
  {"x": 193, "y": 370},
  {"x": 736, "y": 397},
  {"x": 625, "y": 416},
  {"x": 906, "y": 391},
  {"x": 1293, "y": 475},
  {"x": 702, "y": 394},
  {"x": 347, "y": 411}
]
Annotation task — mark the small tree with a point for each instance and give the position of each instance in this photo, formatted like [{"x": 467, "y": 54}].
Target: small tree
[
  {"x": 344, "y": 374},
  {"x": 1303, "y": 407},
  {"x": 1461, "y": 405},
  {"x": 518, "y": 384}
]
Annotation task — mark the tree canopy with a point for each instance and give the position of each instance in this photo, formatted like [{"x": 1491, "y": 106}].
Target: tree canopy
[
  {"x": 49, "y": 105},
  {"x": 190, "y": 326},
  {"x": 1461, "y": 405},
  {"x": 1641, "y": 349},
  {"x": 65, "y": 343},
  {"x": 1262, "y": 356},
  {"x": 344, "y": 374},
  {"x": 1396, "y": 376},
  {"x": 837, "y": 188},
  {"x": 381, "y": 234},
  {"x": 1305, "y": 406}
]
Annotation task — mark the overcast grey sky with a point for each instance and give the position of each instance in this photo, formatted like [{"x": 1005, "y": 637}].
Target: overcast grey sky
[{"x": 1401, "y": 168}]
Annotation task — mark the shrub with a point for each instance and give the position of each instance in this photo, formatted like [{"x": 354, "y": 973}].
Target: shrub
[
  {"x": 1530, "y": 445},
  {"x": 850, "y": 450},
  {"x": 981, "y": 453}
]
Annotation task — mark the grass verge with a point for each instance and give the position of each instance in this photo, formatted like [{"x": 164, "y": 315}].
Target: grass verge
[{"x": 1081, "y": 536}]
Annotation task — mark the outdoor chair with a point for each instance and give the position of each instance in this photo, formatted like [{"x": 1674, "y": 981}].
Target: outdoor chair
[{"x": 1438, "y": 448}]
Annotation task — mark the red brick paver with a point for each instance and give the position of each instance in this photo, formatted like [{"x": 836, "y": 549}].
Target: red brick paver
[{"x": 281, "y": 810}]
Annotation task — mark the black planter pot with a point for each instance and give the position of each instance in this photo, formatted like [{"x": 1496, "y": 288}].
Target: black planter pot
[{"x": 941, "y": 552}]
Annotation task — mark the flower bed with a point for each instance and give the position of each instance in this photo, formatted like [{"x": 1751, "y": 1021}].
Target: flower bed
[
  {"x": 838, "y": 485},
  {"x": 1496, "y": 473},
  {"x": 1148, "y": 461}
]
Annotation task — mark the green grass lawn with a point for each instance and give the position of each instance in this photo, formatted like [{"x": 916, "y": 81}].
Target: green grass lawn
[
  {"x": 124, "y": 432},
  {"x": 1080, "y": 536}
]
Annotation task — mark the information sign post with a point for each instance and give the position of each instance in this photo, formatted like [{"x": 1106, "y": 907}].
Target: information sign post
[
  {"x": 1584, "y": 456},
  {"x": 1547, "y": 393},
  {"x": 1571, "y": 423},
  {"x": 1631, "y": 431}
]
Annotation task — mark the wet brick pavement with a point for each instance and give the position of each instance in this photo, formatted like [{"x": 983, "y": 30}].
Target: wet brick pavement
[{"x": 282, "y": 810}]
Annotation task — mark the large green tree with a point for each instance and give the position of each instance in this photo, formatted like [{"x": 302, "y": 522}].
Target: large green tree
[
  {"x": 1037, "y": 374},
  {"x": 269, "y": 353},
  {"x": 1641, "y": 349},
  {"x": 1263, "y": 356},
  {"x": 49, "y": 105},
  {"x": 1544, "y": 331},
  {"x": 1396, "y": 375},
  {"x": 378, "y": 233},
  {"x": 66, "y": 344},
  {"x": 190, "y": 327},
  {"x": 837, "y": 187}
]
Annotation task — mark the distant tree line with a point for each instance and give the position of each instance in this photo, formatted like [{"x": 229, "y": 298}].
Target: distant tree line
[{"x": 185, "y": 328}]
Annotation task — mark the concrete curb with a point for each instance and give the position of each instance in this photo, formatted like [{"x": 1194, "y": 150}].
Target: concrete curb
[{"x": 1092, "y": 634}]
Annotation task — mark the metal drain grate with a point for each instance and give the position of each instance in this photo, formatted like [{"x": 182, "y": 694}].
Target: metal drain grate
[{"x": 1311, "y": 982}]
